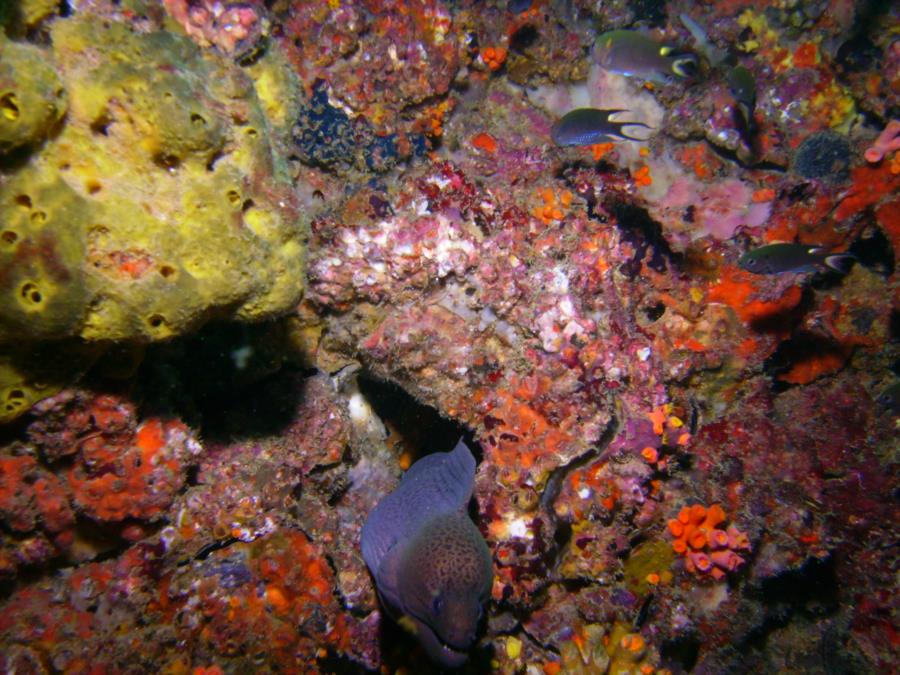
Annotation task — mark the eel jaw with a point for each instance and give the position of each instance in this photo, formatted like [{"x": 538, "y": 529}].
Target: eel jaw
[{"x": 439, "y": 651}]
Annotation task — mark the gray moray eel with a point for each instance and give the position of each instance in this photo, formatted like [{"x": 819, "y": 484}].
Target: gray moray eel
[{"x": 431, "y": 565}]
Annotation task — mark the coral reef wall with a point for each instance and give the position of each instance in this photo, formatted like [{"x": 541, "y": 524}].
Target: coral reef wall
[{"x": 256, "y": 258}]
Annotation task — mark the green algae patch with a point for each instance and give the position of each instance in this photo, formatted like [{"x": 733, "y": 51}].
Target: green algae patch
[
  {"x": 161, "y": 201},
  {"x": 650, "y": 558}
]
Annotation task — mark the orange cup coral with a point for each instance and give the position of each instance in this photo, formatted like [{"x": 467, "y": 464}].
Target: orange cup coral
[{"x": 708, "y": 550}]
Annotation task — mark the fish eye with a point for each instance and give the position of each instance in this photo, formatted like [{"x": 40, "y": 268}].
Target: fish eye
[{"x": 437, "y": 605}]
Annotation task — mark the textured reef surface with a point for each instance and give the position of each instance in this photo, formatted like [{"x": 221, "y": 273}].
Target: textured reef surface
[{"x": 258, "y": 257}]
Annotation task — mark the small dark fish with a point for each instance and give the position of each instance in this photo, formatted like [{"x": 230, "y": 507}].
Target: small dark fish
[
  {"x": 890, "y": 398},
  {"x": 519, "y": 6},
  {"x": 743, "y": 88},
  {"x": 431, "y": 565},
  {"x": 633, "y": 54},
  {"x": 778, "y": 258},
  {"x": 589, "y": 126},
  {"x": 641, "y": 617}
]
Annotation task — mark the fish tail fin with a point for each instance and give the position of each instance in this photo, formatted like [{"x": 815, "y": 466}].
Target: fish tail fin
[
  {"x": 840, "y": 262},
  {"x": 621, "y": 130}
]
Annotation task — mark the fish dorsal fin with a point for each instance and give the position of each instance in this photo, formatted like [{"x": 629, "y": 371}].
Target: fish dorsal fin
[{"x": 439, "y": 483}]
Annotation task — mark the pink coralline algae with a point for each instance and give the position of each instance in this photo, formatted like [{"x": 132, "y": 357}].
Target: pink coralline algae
[
  {"x": 233, "y": 27},
  {"x": 886, "y": 143}
]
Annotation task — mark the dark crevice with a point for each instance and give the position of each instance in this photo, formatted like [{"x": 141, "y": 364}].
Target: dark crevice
[
  {"x": 810, "y": 592},
  {"x": 561, "y": 530},
  {"x": 645, "y": 235},
  {"x": 420, "y": 428}
]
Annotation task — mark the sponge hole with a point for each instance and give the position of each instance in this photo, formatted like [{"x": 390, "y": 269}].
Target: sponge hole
[
  {"x": 234, "y": 197},
  {"x": 9, "y": 237},
  {"x": 198, "y": 120},
  {"x": 93, "y": 186},
  {"x": 156, "y": 321},
  {"x": 24, "y": 201},
  {"x": 167, "y": 161},
  {"x": 100, "y": 126},
  {"x": 38, "y": 217},
  {"x": 31, "y": 294},
  {"x": 167, "y": 271},
  {"x": 9, "y": 106}
]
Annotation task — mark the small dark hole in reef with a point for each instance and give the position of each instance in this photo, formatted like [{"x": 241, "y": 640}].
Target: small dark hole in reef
[
  {"x": 156, "y": 320},
  {"x": 654, "y": 312},
  {"x": 29, "y": 290},
  {"x": 38, "y": 217},
  {"x": 93, "y": 187},
  {"x": 167, "y": 162},
  {"x": 16, "y": 393},
  {"x": 9, "y": 237},
  {"x": 36, "y": 297},
  {"x": 100, "y": 126},
  {"x": 523, "y": 38},
  {"x": 167, "y": 271},
  {"x": 211, "y": 164},
  {"x": 24, "y": 201},
  {"x": 252, "y": 133},
  {"x": 198, "y": 120},
  {"x": 681, "y": 652},
  {"x": 247, "y": 205},
  {"x": 234, "y": 197}
]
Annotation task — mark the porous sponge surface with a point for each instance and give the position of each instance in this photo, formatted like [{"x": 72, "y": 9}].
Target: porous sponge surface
[
  {"x": 32, "y": 98},
  {"x": 160, "y": 203}
]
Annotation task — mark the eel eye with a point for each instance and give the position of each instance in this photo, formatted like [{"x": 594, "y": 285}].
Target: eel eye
[{"x": 437, "y": 605}]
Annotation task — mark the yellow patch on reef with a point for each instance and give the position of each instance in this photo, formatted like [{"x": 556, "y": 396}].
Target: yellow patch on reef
[
  {"x": 278, "y": 89},
  {"x": 759, "y": 25},
  {"x": 836, "y": 105},
  {"x": 161, "y": 199}
]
